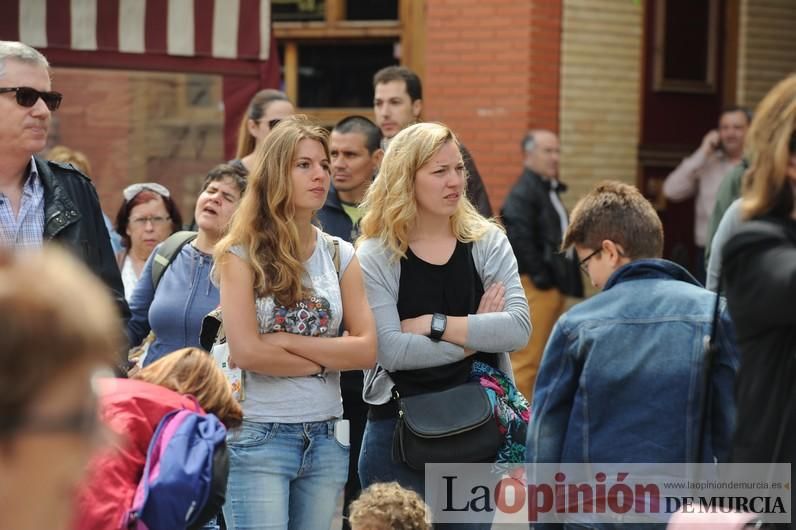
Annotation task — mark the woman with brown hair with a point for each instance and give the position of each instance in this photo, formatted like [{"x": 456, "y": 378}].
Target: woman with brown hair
[
  {"x": 286, "y": 290},
  {"x": 267, "y": 108},
  {"x": 759, "y": 271},
  {"x": 132, "y": 409},
  {"x": 173, "y": 310}
]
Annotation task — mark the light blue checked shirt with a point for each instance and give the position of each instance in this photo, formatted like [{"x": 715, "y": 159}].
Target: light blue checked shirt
[{"x": 26, "y": 230}]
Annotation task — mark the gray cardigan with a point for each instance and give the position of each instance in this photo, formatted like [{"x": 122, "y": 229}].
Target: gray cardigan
[{"x": 499, "y": 333}]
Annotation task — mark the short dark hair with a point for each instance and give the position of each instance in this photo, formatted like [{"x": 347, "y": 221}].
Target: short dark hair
[
  {"x": 365, "y": 127},
  {"x": 620, "y": 213},
  {"x": 123, "y": 215},
  {"x": 737, "y": 108},
  {"x": 222, "y": 171},
  {"x": 400, "y": 73}
]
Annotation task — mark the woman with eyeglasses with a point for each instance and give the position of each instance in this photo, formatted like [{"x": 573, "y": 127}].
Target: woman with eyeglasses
[
  {"x": 147, "y": 216},
  {"x": 184, "y": 294},
  {"x": 267, "y": 108}
]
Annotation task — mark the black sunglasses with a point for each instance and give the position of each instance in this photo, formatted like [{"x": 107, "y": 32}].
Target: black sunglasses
[
  {"x": 27, "y": 97},
  {"x": 273, "y": 123}
]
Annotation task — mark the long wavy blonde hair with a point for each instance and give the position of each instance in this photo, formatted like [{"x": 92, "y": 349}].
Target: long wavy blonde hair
[
  {"x": 264, "y": 224},
  {"x": 390, "y": 204},
  {"x": 766, "y": 185}
]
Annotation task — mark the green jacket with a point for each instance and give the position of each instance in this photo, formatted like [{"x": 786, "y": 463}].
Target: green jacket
[{"x": 729, "y": 190}]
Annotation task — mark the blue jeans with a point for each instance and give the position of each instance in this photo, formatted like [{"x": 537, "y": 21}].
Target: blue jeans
[
  {"x": 284, "y": 476},
  {"x": 376, "y": 465}
]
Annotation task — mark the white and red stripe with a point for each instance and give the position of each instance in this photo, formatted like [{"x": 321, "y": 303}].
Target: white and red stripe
[{"x": 221, "y": 29}]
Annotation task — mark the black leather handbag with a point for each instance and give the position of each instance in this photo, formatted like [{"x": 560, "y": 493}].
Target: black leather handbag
[{"x": 451, "y": 426}]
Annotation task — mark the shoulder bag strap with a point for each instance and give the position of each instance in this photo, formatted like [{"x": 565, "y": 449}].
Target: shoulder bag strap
[{"x": 169, "y": 250}]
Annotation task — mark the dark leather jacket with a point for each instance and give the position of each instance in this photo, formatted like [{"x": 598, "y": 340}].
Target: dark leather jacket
[
  {"x": 73, "y": 218},
  {"x": 534, "y": 230}
]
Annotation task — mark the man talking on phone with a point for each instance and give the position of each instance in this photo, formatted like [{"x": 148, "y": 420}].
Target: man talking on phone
[{"x": 701, "y": 174}]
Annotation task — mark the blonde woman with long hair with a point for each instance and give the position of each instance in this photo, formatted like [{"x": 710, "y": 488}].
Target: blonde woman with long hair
[
  {"x": 442, "y": 282},
  {"x": 284, "y": 301},
  {"x": 759, "y": 268}
]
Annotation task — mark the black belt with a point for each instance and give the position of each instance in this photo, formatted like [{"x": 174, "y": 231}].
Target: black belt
[{"x": 386, "y": 411}]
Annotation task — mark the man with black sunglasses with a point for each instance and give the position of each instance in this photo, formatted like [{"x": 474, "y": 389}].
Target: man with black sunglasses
[{"x": 44, "y": 201}]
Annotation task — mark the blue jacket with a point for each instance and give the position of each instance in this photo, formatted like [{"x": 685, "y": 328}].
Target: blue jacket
[
  {"x": 333, "y": 220},
  {"x": 175, "y": 311},
  {"x": 621, "y": 376}
]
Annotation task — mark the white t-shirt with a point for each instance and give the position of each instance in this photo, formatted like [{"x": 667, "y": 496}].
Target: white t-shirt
[
  {"x": 301, "y": 399},
  {"x": 129, "y": 278}
]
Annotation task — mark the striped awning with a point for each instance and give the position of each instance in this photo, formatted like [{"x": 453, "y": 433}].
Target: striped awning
[{"x": 218, "y": 29}]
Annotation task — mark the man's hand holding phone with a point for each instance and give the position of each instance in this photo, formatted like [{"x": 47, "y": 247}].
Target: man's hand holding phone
[{"x": 711, "y": 142}]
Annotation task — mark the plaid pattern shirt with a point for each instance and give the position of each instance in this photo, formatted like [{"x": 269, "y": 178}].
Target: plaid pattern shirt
[{"x": 26, "y": 229}]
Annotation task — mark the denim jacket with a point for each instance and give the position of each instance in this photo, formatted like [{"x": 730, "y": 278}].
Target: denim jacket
[{"x": 622, "y": 375}]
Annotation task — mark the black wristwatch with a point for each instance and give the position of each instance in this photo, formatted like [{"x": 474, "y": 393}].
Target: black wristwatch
[{"x": 438, "y": 323}]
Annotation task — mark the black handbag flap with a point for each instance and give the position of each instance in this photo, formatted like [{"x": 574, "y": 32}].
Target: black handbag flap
[{"x": 437, "y": 414}]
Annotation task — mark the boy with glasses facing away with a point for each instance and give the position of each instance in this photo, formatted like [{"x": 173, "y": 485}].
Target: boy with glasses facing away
[
  {"x": 41, "y": 200},
  {"x": 616, "y": 383}
]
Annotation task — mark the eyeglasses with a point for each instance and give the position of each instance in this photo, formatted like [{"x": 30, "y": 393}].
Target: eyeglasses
[
  {"x": 27, "y": 96},
  {"x": 132, "y": 190},
  {"x": 273, "y": 123},
  {"x": 156, "y": 220},
  {"x": 584, "y": 263}
]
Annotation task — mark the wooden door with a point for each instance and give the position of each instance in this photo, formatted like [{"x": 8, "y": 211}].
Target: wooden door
[{"x": 683, "y": 92}]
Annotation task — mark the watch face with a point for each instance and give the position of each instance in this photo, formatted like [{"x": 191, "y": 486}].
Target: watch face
[{"x": 436, "y": 322}]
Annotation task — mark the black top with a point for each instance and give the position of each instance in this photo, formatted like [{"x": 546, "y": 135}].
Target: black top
[
  {"x": 759, "y": 267},
  {"x": 453, "y": 289}
]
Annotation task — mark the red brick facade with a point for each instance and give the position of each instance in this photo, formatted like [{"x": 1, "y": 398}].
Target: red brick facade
[{"x": 492, "y": 72}]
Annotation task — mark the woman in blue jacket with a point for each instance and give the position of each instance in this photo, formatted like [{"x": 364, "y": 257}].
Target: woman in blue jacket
[{"x": 185, "y": 294}]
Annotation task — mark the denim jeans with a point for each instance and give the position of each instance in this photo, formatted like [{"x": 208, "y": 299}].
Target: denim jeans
[
  {"x": 376, "y": 465},
  {"x": 284, "y": 476}
]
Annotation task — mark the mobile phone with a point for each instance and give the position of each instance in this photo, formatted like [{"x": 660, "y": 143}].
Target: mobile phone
[{"x": 342, "y": 432}]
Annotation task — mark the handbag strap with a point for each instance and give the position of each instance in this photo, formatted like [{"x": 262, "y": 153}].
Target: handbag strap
[{"x": 705, "y": 400}]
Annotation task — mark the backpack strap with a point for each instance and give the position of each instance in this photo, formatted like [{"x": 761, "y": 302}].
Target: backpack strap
[
  {"x": 167, "y": 251},
  {"x": 333, "y": 246}
]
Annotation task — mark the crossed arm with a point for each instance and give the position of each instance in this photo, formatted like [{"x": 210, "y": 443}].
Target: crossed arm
[{"x": 287, "y": 354}]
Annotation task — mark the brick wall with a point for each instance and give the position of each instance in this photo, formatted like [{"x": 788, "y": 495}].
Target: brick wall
[
  {"x": 767, "y": 47},
  {"x": 491, "y": 73},
  {"x": 141, "y": 126},
  {"x": 600, "y": 93}
]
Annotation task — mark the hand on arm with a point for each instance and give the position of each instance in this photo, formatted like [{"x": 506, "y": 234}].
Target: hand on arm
[
  {"x": 397, "y": 350},
  {"x": 492, "y": 301},
  {"x": 248, "y": 348},
  {"x": 355, "y": 349}
]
